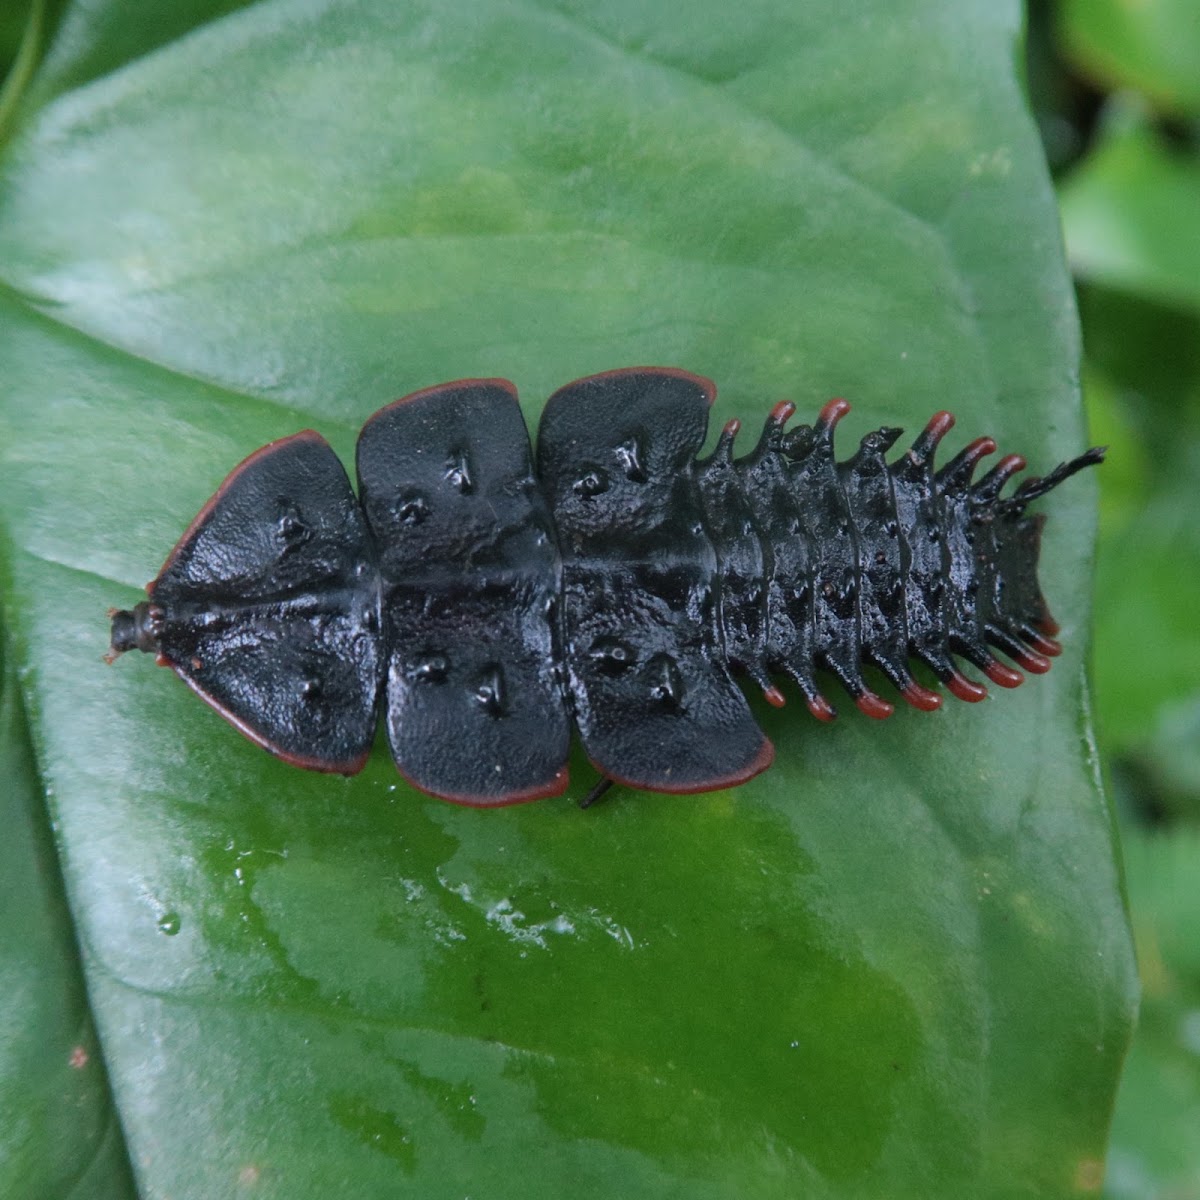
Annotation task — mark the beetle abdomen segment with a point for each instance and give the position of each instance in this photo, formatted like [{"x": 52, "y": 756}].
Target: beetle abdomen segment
[
  {"x": 867, "y": 561},
  {"x": 744, "y": 564}
]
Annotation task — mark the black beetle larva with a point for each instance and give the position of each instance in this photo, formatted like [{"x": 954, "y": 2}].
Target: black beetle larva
[{"x": 620, "y": 585}]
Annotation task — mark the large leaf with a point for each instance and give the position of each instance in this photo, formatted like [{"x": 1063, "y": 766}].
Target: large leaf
[
  {"x": 60, "y": 1133},
  {"x": 898, "y": 964}
]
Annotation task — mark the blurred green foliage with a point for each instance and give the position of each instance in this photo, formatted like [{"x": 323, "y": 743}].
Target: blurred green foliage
[
  {"x": 1150, "y": 46},
  {"x": 1117, "y": 89},
  {"x": 14, "y": 17},
  {"x": 21, "y": 26},
  {"x": 1154, "y": 1153}
]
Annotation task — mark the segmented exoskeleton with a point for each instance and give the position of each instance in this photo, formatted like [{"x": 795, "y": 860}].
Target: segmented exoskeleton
[{"x": 620, "y": 586}]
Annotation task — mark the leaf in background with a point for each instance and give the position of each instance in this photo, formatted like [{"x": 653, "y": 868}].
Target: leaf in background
[
  {"x": 1152, "y": 46},
  {"x": 23, "y": 28},
  {"x": 13, "y": 21},
  {"x": 898, "y": 964},
  {"x": 94, "y": 39},
  {"x": 1132, "y": 216},
  {"x": 1150, "y": 654},
  {"x": 1131, "y": 212},
  {"x": 1155, "y": 1153},
  {"x": 1144, "y": 401},
  {"x": 59, "y": 1134}
]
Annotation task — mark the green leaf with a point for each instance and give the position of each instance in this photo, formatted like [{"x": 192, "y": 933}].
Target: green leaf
[
  {"x": 1131, "y": 212},
  {"x": 1154, "y": 1148},
  {"x": 60, "y": 1133},
  {"x": 1148, "y": 650},
  {"x": 96, "y": 39},
  {"x": 14, "y": 20},
  {"x": 1152, "y": 46},
  {"x": 1143, "y": 393},
  {"x": 22, "y": 31},
  {"x": 898, "y": 964}
]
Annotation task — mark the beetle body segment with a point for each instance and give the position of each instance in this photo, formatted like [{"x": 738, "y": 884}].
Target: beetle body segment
[
  {"x": 268, "y": 608},
  {"x": 483, "y": 606},
  {"x": 471, "y": 580},
  {"x": 646, "y": 670}
]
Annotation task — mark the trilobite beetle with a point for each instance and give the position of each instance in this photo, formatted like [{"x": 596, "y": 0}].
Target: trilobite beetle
[{"x": 485, "y": 599}]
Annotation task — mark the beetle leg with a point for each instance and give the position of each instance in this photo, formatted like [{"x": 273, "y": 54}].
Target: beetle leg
[{"x": 599, "y": 788}]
